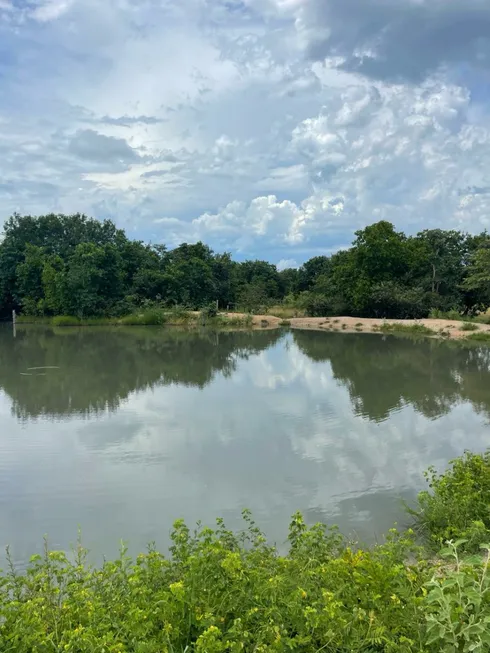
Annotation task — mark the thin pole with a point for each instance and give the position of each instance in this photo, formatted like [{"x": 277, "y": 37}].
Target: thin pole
[{"x": 14, "y": 323}]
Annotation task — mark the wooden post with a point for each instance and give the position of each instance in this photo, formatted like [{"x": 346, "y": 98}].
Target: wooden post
[
  {"x": 217, "y": 305},
  {"x": 14, "y": 322}
]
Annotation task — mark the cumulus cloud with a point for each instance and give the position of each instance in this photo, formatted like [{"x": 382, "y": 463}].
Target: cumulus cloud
[
  {"x": 396, "y": 41},
  {"x": 272, "y": 128}
]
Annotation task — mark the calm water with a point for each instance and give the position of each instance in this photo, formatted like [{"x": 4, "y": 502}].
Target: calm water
[{"x": 131, "y": 429}]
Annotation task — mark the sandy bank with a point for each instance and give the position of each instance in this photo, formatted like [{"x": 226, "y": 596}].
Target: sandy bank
[{"x": 448, "y": 328}]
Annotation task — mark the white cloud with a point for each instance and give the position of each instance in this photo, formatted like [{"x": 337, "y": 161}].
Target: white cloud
[
  {"x": 287, "y": 263},
  {"x": 207, "y": 120},
  {"x": 47, "y": 10}
]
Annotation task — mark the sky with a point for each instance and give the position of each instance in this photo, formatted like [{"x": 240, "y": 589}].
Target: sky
[{"x": 272, "y": 129}]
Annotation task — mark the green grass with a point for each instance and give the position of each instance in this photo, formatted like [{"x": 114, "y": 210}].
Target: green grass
[
  {"x": 29, "y": 319},
  {"x": 483, "y": 336},
  {"x": 285, "y": 323},
  {"x": 223, "y": 321},
  {"x": 152, "y": 317},
  {"x": 415, "y": 329},
  {"x": 286, "y": 312},
  {"x": 469, "y": 326},
  {"x": 483, "y": 318},
  {"x": 146, "y": 317}
]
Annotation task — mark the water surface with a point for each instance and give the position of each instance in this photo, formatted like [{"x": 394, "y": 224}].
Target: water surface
[{"x": 121, "y": 431}]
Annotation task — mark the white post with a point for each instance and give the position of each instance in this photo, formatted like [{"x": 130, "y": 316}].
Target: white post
[{"x": 14, "y": 322}]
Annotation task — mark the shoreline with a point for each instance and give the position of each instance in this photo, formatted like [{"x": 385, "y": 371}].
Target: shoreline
[{"x": 428, "y": 327}]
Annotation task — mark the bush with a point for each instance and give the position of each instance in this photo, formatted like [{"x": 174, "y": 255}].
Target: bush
[
  {"x": 415, "y": 329},
  {"x": 210, "y": 311},
  {"x": 469, "y": 326},
  {"x": 150, "y": 317},
  {"x": 220, "y": 592},
  {"x": 316, "y": 305},
  {"x": 66, "y": 320},
  {"x": 458, "y": 503},
  {"x": 390, "y": 300},
  {"x": 437, "y": 314},
  {"x": 457, "y": 605}
]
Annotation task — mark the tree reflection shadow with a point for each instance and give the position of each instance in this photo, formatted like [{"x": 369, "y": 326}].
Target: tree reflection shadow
[
  {"x": 93, "y": 370},
  {"x": 383, "y": 373}
]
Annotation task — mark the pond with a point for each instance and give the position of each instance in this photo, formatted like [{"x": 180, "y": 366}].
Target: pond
[{"x": 119, "y": 432}]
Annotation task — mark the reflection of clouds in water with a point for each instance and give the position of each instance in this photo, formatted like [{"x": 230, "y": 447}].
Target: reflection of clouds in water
[
  {"x": 362, "y": 455},
  {"x": 281, "y": 434},
  {"x": 284, "y": 427}
]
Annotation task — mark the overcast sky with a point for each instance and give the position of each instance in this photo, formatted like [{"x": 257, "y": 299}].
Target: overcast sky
[{"x": 269, "y": 128}]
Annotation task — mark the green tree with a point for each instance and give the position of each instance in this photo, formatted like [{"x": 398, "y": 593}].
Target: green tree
[
  {"x": 29, "y": 280},
  {"x": 478, "y": 275},
  {"x": 311, "y": 270},
  {"x": 93, "y": 282},
  {"x": 54, "y": 284}
]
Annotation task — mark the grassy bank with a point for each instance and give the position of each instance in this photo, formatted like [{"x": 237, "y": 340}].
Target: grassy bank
[
  {"x": 413, "y": 329},
  {"x": 218, "y": 591},
  {"x": 151, "y": 317},
  {"x": 483, "y": 318}
]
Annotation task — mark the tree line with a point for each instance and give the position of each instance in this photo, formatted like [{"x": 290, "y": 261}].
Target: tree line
[{"x": 76, "y": 265}]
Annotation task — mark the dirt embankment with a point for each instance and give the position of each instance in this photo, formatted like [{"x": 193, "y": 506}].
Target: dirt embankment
[{"x": 446, "y": 328}]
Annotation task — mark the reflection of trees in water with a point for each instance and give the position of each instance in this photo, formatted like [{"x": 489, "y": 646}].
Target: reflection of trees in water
[
  {"x": 383, "y": 373},
  {"x": 99, "y": 368}
]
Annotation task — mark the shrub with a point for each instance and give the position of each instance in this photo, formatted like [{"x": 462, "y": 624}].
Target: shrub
[
  {"x": 391, "y": 300},
  {"x": 458, "y": 612},
  {"x": 65, "y": 320},
  {"x": 458, "y": 503},
  {"x": 210, "y": 311},
  {"x": 469, "y": 326},
  {"x": 437, "y": 314},
  {"x": 416, "y": 329},
  {"x": 316, "y": 305},
  {"x": 221, "y": 592},
  {"x": 150, "y": 317}
]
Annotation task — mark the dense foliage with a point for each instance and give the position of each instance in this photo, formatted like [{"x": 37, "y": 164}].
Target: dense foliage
[
  {"x": 220, "y": 592},
  {"x": 458, "y": 505},
  {"x": 74, "y": 265}
]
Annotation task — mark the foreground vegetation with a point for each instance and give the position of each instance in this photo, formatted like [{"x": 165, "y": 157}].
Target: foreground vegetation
[
  {"x": 71, "y": 265},
  {"x": 218, "y": 591},
  {"x": 155, "y": 316}
]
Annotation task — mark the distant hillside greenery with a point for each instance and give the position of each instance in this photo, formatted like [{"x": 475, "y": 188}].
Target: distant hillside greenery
[{"x": 75, "y": 265}]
